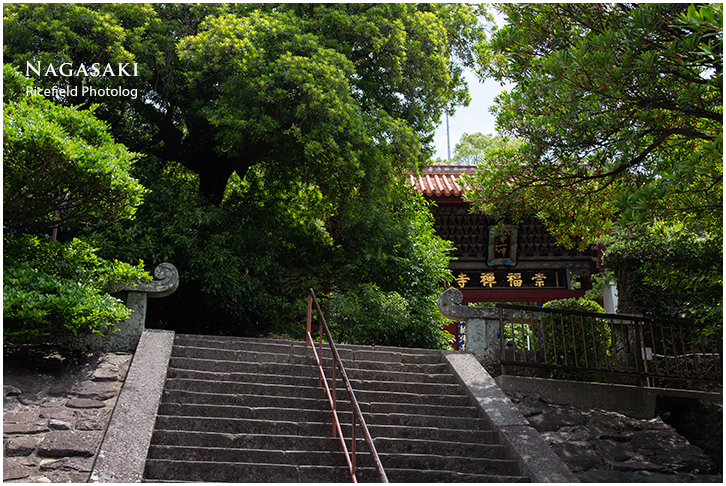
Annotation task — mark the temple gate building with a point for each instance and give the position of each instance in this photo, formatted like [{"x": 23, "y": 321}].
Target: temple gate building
[{"x": 522, "y": 264}]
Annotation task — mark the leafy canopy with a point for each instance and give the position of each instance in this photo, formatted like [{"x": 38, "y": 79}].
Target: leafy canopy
[
  {"x": 474, "y": 148},
  {"x": 277, "y": 138},
  {"x": 320, "y": 92},
  {"x": 52, "y": 288},
  {"x": 61, "y": 166},
  {"x": 621, "y": 109},
  {"x": 665, "y": 270}
]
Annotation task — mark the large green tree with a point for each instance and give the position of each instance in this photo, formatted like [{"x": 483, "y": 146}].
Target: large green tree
[
  {"x": 275, "y": 139},
  {"x": 320, "y": 88},
  {"x": 474, "y": 148},
  {"x": 621, "y": 106}
]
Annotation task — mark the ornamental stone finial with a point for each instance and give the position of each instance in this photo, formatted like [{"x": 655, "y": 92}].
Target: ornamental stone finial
[
  {"x": 135, "y": 297},
  {"x": 449, "y": 304},
  {"x": 167, "y": 282}
]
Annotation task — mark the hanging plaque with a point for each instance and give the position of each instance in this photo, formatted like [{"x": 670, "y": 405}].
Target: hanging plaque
[{"x": 503, "y": 245}]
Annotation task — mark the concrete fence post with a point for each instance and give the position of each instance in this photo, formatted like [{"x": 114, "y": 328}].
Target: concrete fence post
[{"x": 482, "y": 325}]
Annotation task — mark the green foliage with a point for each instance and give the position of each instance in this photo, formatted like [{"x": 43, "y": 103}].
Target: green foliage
[
  {"x": 367, "y": 315},
  {"x": 322, "y": 92},
  {"x": 80, "y": 176},
  {"x": 621, "y": 111},
  {"x": 668, "y": 271},
  {"x": 230, "y": 258},
  {"x": 62, "y": 169},
  {"x": 582, "y": 341},
  {"x": 52, "y": 288},
  {"x": 599, "y": 283},
  {"x": 394, "y": 248},
  {"x": 474, "y": 148},
  {"x": 246, "y": 266},
  {"x": 277, "y": 137}
]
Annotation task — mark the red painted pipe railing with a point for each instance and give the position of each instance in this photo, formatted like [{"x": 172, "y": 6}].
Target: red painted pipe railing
[{"x": 357, "y": 416}]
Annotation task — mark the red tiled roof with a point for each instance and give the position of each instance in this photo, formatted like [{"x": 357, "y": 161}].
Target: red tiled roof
[{"x": 442, "y": 180}]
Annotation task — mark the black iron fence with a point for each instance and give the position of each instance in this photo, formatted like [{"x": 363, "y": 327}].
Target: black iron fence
[{"x": 582, "y": 344}]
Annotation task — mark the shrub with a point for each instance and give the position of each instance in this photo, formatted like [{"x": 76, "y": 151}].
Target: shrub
[
  {"x": 670, "y": 272},
  {"x": 368, "y": 315},
  {"x": 51, "y": 288}
]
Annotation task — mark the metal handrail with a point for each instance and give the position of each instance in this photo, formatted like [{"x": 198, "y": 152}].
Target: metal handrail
[
  {"x": 356, "y": 413},
  {"x": 613, "y": 344}
]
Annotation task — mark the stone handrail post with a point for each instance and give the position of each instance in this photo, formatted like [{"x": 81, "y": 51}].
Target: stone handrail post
[
  {"x": 482, "y": 324},
  {"x": 136, "y": 295}
]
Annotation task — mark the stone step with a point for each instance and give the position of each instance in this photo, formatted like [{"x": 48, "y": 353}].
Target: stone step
[
  {"x": 432, "y": 476},
  {"x": 406, "y": 387},
  {"x": 228, "y": 366},
  {"x": 413, "y": 408},
  {"x": 346, "y": 352},
  {"x": 395, "y": 355},
  {"x": 298, "y": 422},
  {"x": 393, "y": 367},
  {"x": 186, "y": 471},
  {"x": 249, "y": 410},
  {"x": 286, "y": 374},
  {"x": 189, "y": 471},
  {"x": 291, "y": 426},
  {"x": 302, "y": 424},
  {"x": 434, "y": 372},
  {"x": 231, "y": 387},
  {"x": 411, "y": 372},
  {"x": 247, "y": 355},
  {"x": 318, "y": 414},
  {"x": 232, "y": 342},
  {"x": 201, "y": 398},
  {"x": 247, "y": 440},
  {"x": 399, "y": 376},
  {"x": 429, "y": 446},
  {"x": 434, "y": 434},
  {"x": 478, "y": 465},
  {"x": 187, "y": 397},
  {"x": 413, "y": 420},
  {"x": 334, "y": 457},
  {"x": 364, "y": 350},
  {"x": 482, "y": 448},
  {"x": 410, "y": 397},
  {"x": 475, "y": 465},
  {"x": 307, "y": 380}
]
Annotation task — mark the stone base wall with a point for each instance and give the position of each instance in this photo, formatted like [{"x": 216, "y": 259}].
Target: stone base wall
[{"x": 123, "y": 340}]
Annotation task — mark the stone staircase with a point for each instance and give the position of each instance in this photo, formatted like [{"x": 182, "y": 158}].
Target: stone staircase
[{"x": 251, "y": 410}]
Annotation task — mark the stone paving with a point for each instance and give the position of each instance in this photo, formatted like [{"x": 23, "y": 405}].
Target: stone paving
[
  {"x": 56, "y": 413},
  {"x": 604, "y": 446}
]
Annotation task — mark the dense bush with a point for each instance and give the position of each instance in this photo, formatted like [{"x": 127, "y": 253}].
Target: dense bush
[
  {"x": 52, "y": 288},
  {"x": 276, "y": 140},
  {"x": 670, "y": 272},
  {"x": 245, "y": 266},
  {"x": 60, "y": 165},
  {"x": 62, "y": 170}
]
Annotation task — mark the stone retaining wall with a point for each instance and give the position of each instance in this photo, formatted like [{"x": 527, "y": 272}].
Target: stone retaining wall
[{"x": 605, "y": 446}]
